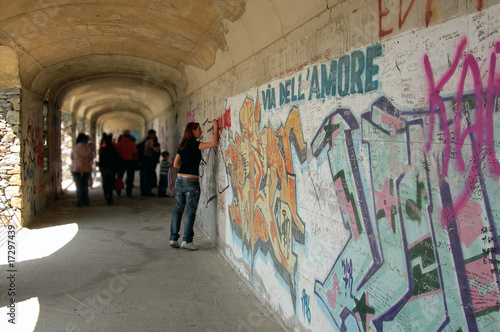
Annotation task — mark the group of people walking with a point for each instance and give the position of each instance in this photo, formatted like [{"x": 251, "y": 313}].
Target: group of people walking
[{"x": 116, "y": 159}]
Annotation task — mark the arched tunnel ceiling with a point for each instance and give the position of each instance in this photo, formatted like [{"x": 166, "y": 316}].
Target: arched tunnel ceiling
[
  {"x": 119, "y": 121},
  {"x": 93, "y": 96},
  {"x": 92, "y": 55}
]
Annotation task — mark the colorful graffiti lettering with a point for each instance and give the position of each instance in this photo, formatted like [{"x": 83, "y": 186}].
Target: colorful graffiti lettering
[
  {"x": 414, "y": 186},
  {"x": 260, "y": 168},
  {"x": 480, "y": 134},
  {"x": 388, "y": 211},
  {"x": 350, "y": 74}
]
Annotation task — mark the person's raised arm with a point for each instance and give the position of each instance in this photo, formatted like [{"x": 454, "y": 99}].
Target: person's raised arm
[
  {"x": 177, "y": 161},
  {"x": 215, "y": 138}
]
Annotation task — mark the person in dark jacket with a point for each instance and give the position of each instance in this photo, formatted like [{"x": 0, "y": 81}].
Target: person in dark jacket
[
  {"x": 109, "y": 164},
  {"x": 148, "y": 157}
]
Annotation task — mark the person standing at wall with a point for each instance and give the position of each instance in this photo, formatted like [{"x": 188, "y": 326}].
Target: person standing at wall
[
  {"x": 187, "y": 185},
  {"x": 128, "y": 151},
  {"x": 81, "y": 168}
]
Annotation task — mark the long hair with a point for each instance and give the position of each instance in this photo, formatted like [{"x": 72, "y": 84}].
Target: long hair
[{"x": 188, "y": 134}]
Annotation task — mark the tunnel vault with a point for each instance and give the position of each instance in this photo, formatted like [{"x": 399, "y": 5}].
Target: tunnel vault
[{"x": 105, "y": 66}]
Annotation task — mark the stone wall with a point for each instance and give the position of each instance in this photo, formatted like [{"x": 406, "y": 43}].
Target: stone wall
[{"x": 10, "y": 165}]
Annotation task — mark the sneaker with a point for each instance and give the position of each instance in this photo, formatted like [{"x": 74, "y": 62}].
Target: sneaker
[
  {"x": 188, "y": 246},
  {"x": 174, "y": 244}
]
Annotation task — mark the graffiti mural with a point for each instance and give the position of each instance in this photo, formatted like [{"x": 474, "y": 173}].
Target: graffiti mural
[
  {"x": 260, "y": 168},
  {"x": 422, "y": 234},
  {"x": 387, "y": 209},
  {"x": 359, "y": 194},
  {"x": 446, "y": 267}
]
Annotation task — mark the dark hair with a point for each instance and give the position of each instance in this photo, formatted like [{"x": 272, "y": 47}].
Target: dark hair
[
  {"x": 82, "y": 138},
  {"x": 188, "y": 134},
  {"x": 108, "y": 139},
  {"x": 165, "y": 153},
  {"x": 151, "y": 131}
]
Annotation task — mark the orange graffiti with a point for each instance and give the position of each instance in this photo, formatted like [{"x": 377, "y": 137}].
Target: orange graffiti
[{"x": 260, "y": 168}]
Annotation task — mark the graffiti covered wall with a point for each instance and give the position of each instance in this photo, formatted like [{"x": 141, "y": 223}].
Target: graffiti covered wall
[
  {"x": 40, "y": 155},
  {"x": 359, "y": 192}
]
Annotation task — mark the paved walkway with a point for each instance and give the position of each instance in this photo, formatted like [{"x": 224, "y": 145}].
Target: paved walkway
[{"x": 109, "y": 268}]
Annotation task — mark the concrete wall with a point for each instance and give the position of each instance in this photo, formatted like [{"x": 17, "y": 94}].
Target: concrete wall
[
  {"x": 355, "y": 184},
  {"x": 40, "y": 155}
]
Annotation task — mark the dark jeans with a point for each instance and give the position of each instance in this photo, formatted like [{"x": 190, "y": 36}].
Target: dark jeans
[
  {"x": 162, "y": 185},
  {"x": 82, "y": 187},
  {"x": 108, "y": 183},
  {"x": 187, "y": 195},
  {"x": 148, "y": 176},
  {"x": 130, "y": 170}
]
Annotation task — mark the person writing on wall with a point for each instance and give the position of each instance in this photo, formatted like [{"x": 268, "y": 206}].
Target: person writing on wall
[{"x": 187, "y": 185}]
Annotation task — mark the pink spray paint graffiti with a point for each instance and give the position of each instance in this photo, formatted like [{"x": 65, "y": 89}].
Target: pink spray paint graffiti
[
  {"x": 480, "y": 132},
  {"x": 191, "y": 116},
  {"x": 224, "y": 121}
]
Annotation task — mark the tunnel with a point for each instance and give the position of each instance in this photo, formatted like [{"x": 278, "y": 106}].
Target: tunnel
[{"x": 354, "y": 181}]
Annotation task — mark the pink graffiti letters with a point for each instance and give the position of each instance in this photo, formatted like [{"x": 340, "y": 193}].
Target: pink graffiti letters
[{"x": 480, "y": 133}]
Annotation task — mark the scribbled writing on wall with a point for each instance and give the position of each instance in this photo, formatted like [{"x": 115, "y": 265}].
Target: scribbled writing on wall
[
  {"x": 350, "y": 74},
  {"x": 404, "y": 9},
  {"x": 263, "y": 212},
  {"x": 480, "y": 134},
  {"x": 305, "y": 299},
  {"x": 33, "y": 163},
  {"x": 397, "y": 260}
]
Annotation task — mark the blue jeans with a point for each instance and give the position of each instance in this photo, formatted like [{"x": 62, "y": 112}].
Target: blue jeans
[{"x": 187, "y": 195}]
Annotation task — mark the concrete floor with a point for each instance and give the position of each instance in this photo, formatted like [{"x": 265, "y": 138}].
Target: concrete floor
[{"x": 109, "y": 268}]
